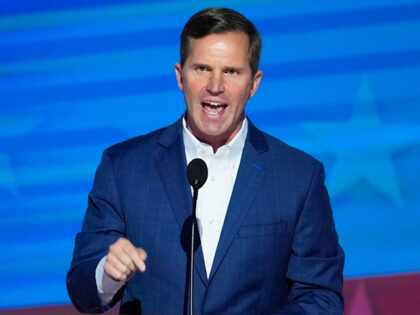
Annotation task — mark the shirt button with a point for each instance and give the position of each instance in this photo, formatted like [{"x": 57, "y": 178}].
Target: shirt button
[
  {"x": 211, "y": 221},
  {"x": 213, "y": 178}
]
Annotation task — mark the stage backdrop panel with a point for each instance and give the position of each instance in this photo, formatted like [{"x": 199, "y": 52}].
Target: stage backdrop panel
[{"x": 341, "y": 81}]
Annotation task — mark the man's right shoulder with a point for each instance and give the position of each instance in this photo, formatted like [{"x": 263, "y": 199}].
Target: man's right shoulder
[
  {"x": 137, "y": 142},
  {"x": 140, "y": 146}
]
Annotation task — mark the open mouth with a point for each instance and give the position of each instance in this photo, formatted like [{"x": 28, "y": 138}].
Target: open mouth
[{"x": 213, "y": 108}]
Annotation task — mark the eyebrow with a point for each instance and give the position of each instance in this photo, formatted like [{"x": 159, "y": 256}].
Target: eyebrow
[
  {"x": 227, "y": 68},
  {"x": 195, "y": 65},
  {"x": 237, "y": 69}
]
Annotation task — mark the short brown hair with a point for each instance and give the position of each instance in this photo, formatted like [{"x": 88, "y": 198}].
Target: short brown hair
[{"x": 217, "y": 21}]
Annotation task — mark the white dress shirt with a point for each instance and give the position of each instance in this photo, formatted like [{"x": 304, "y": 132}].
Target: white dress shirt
[
  {"x": 214, "y": 196},
  {"x": 212, "y": 203}
]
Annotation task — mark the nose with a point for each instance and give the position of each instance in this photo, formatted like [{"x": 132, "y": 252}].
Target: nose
[{"x": 215, "y": 85}]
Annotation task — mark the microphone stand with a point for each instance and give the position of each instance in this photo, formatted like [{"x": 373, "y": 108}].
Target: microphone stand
[
  {"x": 197, "y": 173},
  {"x": 195, "y": 195}
]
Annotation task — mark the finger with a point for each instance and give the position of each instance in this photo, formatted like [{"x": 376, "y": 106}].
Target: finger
[
  {"x": 127, "y": 261},
  {"x": 117, "y": 252},
  {"x": 138, "y": 256},
  {"x": 114, "y": 273},
  {"x": 123, "y": 247},
  {"x": 142, "y": 253},
  {"x": 121, "y": 258},
  {"x": 143, "y": 256},
  {"x": 121, "y": 262}
]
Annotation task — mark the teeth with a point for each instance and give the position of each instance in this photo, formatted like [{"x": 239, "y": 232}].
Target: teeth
[
  {"x": 212, "y": 113},
  {"x": 214, "y": 104},
  {"x": 213, "y": 108}
]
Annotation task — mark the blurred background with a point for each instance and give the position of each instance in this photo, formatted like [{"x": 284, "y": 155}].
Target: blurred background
[{"x": 341, "y": 82}]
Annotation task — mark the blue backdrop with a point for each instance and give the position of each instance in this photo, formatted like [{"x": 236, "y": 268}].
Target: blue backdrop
[{"x": 341, "y": 81}]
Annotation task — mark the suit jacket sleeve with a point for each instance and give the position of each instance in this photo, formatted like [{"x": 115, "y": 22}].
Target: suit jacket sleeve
[
  {"x": 315, "y": 270},
  {"x": 103, "y": 225}
]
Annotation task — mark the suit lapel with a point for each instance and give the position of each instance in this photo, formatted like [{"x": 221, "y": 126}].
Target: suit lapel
[
  {"x": 171, "y": 164},
  {"x": 248, "y": 180}
]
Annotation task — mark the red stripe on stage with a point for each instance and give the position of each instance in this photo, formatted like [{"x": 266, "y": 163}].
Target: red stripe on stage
[
  {"x": 65, "y": 309},
  {"x": 384, "y": 295}
]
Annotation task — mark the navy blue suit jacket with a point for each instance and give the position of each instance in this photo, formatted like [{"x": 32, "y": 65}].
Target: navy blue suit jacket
[{"x": 278, "y": 251}]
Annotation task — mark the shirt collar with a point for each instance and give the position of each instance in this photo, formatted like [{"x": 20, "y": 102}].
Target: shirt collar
[{"x": 194, "y": 148}]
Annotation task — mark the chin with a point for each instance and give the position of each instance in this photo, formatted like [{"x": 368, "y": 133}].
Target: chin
[{"x": 213, "y": 132}]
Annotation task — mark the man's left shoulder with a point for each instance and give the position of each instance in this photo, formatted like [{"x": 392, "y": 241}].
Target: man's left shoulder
[{"x": 280, "y": 150}]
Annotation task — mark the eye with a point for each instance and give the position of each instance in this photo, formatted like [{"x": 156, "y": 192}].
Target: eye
[
  {"x": 232, "y": 71},
  {"x": 201, "y": 68}
]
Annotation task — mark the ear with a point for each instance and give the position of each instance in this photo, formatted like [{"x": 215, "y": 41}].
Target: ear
[
  {"x": 178, "y": 72},
  {"x": 255, "y": 83}
]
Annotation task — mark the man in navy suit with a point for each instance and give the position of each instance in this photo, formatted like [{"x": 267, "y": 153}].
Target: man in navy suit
[{"x": 268, "y": 242}]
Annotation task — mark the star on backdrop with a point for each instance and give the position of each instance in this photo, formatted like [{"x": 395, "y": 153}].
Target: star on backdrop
[
  {"x": 8, "y": 181},
  {"x": 363, "y": 147},
  {"x": 12, "y": 126}
]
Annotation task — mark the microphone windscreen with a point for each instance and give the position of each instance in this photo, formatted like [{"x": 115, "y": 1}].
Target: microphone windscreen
[{"x": 197, "y": 173}]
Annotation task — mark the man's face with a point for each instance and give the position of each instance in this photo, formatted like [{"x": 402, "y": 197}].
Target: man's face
[{"x": 217, "y": 83}]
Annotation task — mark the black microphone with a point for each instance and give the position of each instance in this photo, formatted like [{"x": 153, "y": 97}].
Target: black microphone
[{"x": 197, "y": 175}]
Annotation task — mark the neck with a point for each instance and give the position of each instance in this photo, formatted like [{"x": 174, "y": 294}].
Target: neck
[{"x": 216, "y": 141}]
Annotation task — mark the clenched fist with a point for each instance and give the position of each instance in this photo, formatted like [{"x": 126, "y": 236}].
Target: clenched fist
[{"x": 124, "y": 259}]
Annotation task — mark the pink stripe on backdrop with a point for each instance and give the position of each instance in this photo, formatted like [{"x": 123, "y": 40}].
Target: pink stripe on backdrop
[
  {"x": 383, "y": 295},
  {"x": 65, "y": 309}
]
